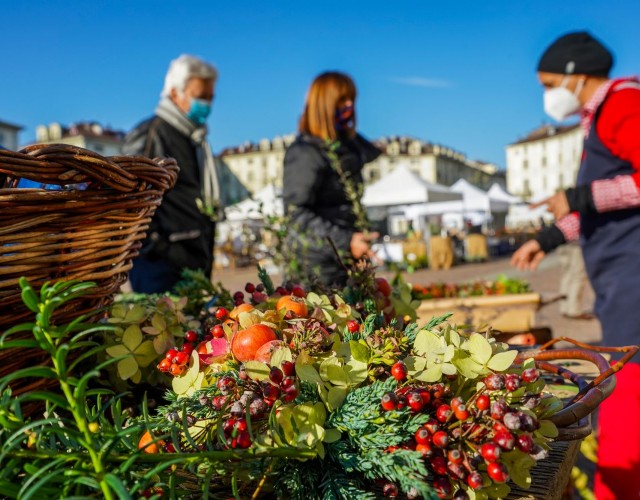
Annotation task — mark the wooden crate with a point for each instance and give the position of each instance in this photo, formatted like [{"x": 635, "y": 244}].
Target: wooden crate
[{"x": 509, "y": 313}]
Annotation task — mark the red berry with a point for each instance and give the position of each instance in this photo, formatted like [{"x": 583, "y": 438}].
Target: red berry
[
  {"x": 443, "y": 487},
  {"x": 455, "y": 456},
  {"x": 171, "y": 354},
  {"x": 243, "y": 440},
  {"x": 530, "y": 375},
  {"x": 443, "y": 413},
  {"x": 221, "y": 314},
  {"x": 289, "y": 368},
  {"x": 490, "y": 452},
  {"x": 298, "y": 291},
  {"x": 512, "y": 382},
  {"x": 182, "y": 358},
  {"x": 425, "y": 449},
  {"x": 438, "y": 391},
  {"x": 505, "y": 440},
  {"x": 249, "y": 288},
  {"x": 228, "y": 425},
  {"x": 275, "y": 375},
  {"x": 441, "y": 439},
  {"x": 226, "y": 384},
  {"x": 482, "y": 402},
  {"x": 432, "y": 426},
  {"x": 497, "y": 472},
  {"x": 260, "y": 288},
  {"x": 240, "y": 425},
  {"x": 164, "y": 365},
  {"x": 399, "y": 371},
  {"x": 494, "y": 381},
  {"x": 191, "y": 336},
  {"x": 402, "y": 402},
  {"x": 455, "y": 402},
  {"x": 498, "y": 409},
  {"x": 290, "y": 394},
  {"x": 217, "y": 331},
  {"x": 353, "y": 326},
  {"x": 461, "y": 412},
  {"x": 474, "y": 480},
  {"x": 439, "y": 465},
  {"x": 414, "y": 401},
  {"x": 389, "y": 401},
  {"x": 390, "y": 490},
  {"x": 422, "y": 436},
  {"x": 525, "y": 443},
  {"x": 238, "y": 297},
  {"x": 426, "y": 395},
  {"x": 270, "y": 392},
  {"x": 176, "y": 370},
  {"x": 288, "y": 382},
  {"x": 188, "y": 348},
  {"x": 456, "y": 471}
]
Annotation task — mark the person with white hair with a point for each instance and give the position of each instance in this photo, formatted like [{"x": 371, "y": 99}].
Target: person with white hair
[{"x": 181, "y": 233}]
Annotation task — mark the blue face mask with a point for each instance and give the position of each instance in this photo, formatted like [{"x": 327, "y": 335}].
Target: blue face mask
[{"x": 199, "y": 111}]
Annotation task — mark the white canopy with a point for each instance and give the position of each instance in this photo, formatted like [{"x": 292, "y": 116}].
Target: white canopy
[
  {"x": 403, "y": 187},
  {"x": 477, "y": 200},
  {"x": 267, "y": 201},
  {"x": 497, "y": 192}
]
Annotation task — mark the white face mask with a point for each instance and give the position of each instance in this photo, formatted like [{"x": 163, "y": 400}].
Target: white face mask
[{"x": 560, "y": 103}]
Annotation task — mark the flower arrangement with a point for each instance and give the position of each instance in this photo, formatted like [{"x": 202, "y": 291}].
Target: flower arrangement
[{"x": 285, "y": 393}]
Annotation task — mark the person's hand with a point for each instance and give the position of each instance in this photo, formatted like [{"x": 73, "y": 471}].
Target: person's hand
[
  {"x": 556, "y": 204},
  {"x": 528, "y": 256},
  {"x": 361, "y": 245}
]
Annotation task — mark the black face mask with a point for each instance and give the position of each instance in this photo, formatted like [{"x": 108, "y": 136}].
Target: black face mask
[{"x": 345, "y": 117}]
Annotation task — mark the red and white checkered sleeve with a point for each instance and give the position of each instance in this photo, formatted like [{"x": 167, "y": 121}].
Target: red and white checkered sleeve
[
  {"x": 569, "y": 225},
  {"x": 615, "y": 194}
]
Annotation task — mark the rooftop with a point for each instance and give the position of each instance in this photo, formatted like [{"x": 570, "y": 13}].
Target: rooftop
[{"x": 545, "y": 131}]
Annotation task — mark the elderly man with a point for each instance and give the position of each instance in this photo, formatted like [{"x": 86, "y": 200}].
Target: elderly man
[
  {"x": 603, "y": 212},
  {"x": 181, "y": 234}
]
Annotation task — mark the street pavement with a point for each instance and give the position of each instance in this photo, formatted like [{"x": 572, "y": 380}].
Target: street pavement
[{"x": 544, "y": 281}]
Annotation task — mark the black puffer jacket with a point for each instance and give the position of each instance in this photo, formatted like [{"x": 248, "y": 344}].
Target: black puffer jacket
[
  {"x": 315, "y": 199},
  {"x": 179, "y": 233}
]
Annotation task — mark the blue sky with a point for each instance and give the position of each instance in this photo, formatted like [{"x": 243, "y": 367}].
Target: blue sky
[{"x": 457, "y": 73}]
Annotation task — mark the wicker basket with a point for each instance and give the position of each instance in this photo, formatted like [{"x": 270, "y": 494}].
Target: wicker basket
[{"x": 87, "y": 234}]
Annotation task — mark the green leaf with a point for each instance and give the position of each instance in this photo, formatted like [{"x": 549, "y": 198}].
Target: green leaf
[
  {"x": 29, "y": 296},
  {"x": 432, "y": 374},
  {"x": 467, "y": 367},
  {"x": 449, "y": 369},
  {"x": 502, "y": 361},
  {"x": 336, "y": 397},
  {"x": 279, "y": 355},
  {"x": 479, "y": 348},
  {"x": 548, "y": 428},
  {"x": 415, "y": 364},
  {"x": 257, "y": 370},
  {"x": 117, "y": 486},
  {"x": 428, "y": 344},
  {"x": 308, "y": 373},
  {"x": 359, "y": 351},
  {"x": 332, "y": 435}
]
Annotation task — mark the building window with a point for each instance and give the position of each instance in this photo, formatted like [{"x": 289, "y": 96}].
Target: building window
[
  {"x": 525, "y": 164},
  {"x": 2, "y": 139},
  {"x": 544, "y": 161}
]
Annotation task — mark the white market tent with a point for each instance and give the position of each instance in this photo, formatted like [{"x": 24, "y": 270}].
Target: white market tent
[
  {"x": 267, "y": 201},
  {"x": 404, "y": 187},
  {"x": 477, "y": 200},
  {"x": 522, "y": 215},
  {"x": 497, "y": 192}
]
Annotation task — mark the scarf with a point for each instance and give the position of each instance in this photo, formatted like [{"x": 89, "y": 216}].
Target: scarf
[{"x": 169, "y": 112}]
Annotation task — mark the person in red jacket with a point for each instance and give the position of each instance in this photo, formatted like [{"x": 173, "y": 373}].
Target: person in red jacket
[{"x": 603, "y": 212}]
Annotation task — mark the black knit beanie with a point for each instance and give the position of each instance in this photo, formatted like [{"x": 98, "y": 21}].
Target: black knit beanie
[{"x": 576, "y": 53}]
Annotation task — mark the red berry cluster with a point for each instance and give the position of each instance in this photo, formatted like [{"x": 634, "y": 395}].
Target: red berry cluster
[
  {"x": 239, "y": 396},
  {"x": 257, "y": 295},
  {"x": 462, "y": 441},
  {"x": 176, "y": 360}
]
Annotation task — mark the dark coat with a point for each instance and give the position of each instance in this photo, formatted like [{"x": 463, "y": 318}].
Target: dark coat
[
  {"x": 315, "y": 199},
  {"x": 179, "y": 235}
]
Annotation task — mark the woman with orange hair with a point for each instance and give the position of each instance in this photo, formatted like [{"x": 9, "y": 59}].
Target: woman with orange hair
[{"x": 323, "y": 182}]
